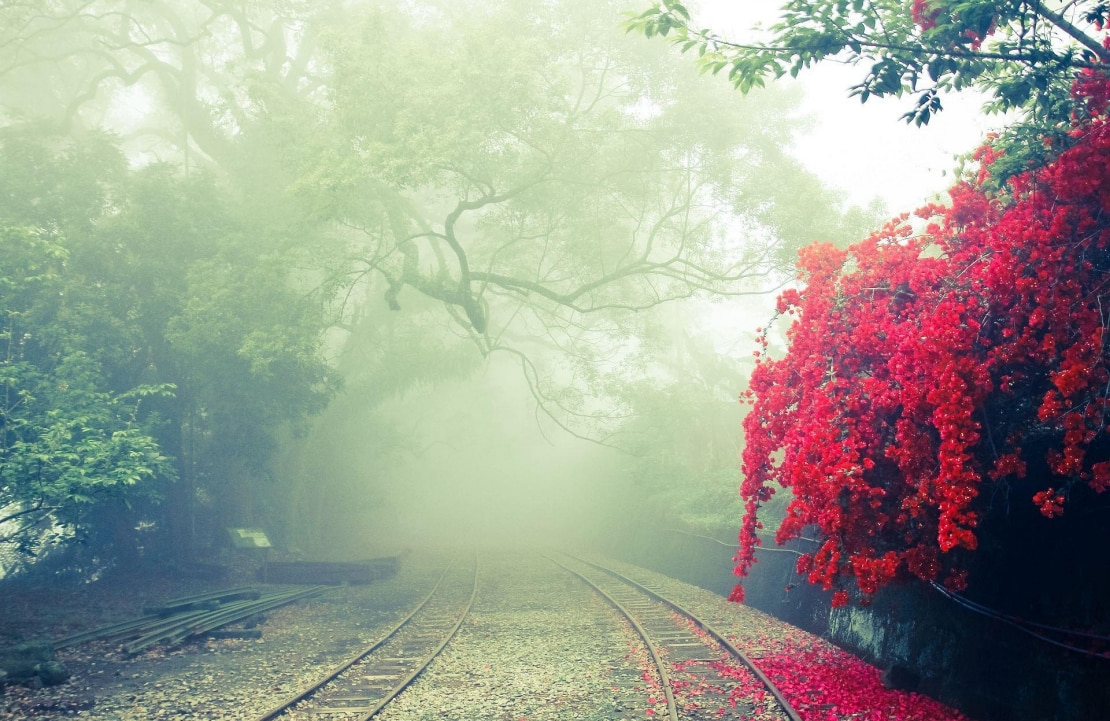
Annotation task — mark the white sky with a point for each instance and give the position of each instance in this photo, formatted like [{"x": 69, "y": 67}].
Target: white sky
[{"x": 863, "y": 149}]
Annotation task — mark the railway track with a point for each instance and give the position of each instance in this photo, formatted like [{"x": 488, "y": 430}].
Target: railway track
[
  {"x": 365, "y": 684},
  {"x": 545, "y": 643},
  {"x": 691, "y": 658}
]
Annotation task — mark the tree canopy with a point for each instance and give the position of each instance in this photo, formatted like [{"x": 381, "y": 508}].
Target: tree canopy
[
  {"x": 239, "y": 190},
  {"x": 554, "y": 188}
]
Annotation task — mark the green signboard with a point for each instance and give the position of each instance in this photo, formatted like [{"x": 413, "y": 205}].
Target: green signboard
[{"x": 249, "y": 538}]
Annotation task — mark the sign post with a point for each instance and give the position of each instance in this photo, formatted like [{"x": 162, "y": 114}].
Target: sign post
[{"x": 252, "y": 538}]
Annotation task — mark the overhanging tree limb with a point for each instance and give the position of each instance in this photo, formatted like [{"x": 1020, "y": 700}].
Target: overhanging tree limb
[
  {"x": 1070, "y": 29},
  {"x": 953, "y": 43}
]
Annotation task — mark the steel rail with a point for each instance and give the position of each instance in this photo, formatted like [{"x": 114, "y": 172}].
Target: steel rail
[
  {"x": 123, "y": 629},
  {"x": 312, "y": 688},
  {"x": 407, "y": 681},
  {"x": 315, "y": 686},
  {"x": 210, "y": 620},
  {"x": 717, "y": 635},
  {"x": 664, "y": 677},
  {"x": 215, "y": 598},
  {"x": 153, "y": 623}
]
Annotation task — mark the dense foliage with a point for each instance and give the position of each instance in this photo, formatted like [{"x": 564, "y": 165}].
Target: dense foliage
[
  {"x": 930, "y": 364},
  {"x": 66, "y": 440},
  {"x": 152, "y": 347}
]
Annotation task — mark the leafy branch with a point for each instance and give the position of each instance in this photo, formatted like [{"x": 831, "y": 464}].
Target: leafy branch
[{"x": 1025, "y": 53}]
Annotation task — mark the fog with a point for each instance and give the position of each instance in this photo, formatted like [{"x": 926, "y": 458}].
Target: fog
[
  {"x": 478, "y": 459},
  {"x": 289, "y": 281},
  {"x": 485, "y": 473},
  {"x": 378, "y": 275}
]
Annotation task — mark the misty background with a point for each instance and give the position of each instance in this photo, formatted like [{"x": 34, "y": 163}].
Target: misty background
[{"x": 372, "y": 274}]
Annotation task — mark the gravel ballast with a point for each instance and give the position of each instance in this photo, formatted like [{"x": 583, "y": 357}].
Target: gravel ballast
[
  {"x": 229, "y": 679},
  {"x": 539, "y": 645}
]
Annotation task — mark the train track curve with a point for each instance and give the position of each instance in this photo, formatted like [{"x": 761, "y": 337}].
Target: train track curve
[
  {"x": 669, "y": 643},
  {"x": 366, "y": 683}
]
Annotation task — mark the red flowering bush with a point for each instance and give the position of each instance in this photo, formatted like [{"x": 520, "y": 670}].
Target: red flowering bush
[{"x": 924, "y": 362}]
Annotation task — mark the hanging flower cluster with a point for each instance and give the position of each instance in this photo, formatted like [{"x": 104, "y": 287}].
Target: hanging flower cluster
[{"x": 920, "y": 362}]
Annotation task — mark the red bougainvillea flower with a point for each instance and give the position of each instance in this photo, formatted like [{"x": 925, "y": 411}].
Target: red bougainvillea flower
[
  {"x": 923, "y": 358},
  {"x": 823, "y": 682}
]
